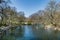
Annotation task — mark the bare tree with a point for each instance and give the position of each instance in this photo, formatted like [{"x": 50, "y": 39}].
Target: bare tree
[{"x": 52, "y": 13}]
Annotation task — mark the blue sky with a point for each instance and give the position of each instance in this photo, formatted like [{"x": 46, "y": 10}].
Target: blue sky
[{"x": 29, "y": 6}]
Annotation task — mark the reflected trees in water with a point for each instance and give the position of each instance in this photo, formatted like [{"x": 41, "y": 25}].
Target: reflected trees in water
[{"x": 49, "y": 16}]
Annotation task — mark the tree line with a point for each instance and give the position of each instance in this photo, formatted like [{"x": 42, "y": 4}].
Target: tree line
[
  {"x": 50, "y": 15},
  {"x": 9, "y": 15}
]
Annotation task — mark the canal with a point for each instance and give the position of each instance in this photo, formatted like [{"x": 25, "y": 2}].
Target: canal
[{"x": 31, "y": 32}]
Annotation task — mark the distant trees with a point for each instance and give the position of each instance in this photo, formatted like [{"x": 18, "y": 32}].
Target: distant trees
[
  {"x": 9, "y": 15},
  {"x": 14, "y": 17},
  {"x": 37, "y": 17},
  {"x": 21, "y": 16},
  {"x": 50, "y": 15}
]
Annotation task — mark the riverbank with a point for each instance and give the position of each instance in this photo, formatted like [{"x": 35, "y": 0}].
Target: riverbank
[
  {"x": 28, "y": 32},
  {"x": 51, "y": 27}
]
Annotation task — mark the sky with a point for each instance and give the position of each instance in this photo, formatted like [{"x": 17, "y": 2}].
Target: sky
[{"x": 29, "y": 6}]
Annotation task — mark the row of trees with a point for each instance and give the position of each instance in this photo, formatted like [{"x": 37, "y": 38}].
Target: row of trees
[
  {"x": 9, "y": 15},
  {"x": 50, "y": 15}
]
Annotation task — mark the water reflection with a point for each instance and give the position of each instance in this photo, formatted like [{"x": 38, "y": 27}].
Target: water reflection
[
  {"x": 32, "y": 32},
  {"x": 28, "y": 31}
]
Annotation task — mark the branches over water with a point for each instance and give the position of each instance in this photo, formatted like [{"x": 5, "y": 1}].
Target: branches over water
[
  {"x": 50, "y": 15},
  {"x": 9, "y": 15}
]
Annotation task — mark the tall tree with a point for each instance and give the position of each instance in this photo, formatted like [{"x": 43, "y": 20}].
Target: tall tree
[
  {"x": 3, "y": 6},
  {"x": 51, "y": 11}
]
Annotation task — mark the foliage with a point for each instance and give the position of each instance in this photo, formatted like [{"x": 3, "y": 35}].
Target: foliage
[
  {"x": 9, "y": 15},
  {"x": 50, "y": 15}
]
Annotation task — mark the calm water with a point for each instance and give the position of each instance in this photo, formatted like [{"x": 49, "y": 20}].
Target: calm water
[{"x": 31, "y": 32}]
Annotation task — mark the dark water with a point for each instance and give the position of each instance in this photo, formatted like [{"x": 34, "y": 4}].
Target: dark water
[{"x": 31, "y": 32}]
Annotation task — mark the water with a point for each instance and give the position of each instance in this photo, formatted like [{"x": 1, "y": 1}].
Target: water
[
  {"x": 31, "y": 32},
  {"x": 28, "y": 34}
]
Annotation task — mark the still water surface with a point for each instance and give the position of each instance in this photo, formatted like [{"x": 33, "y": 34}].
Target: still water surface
[{"x": 32, "y": 32}]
